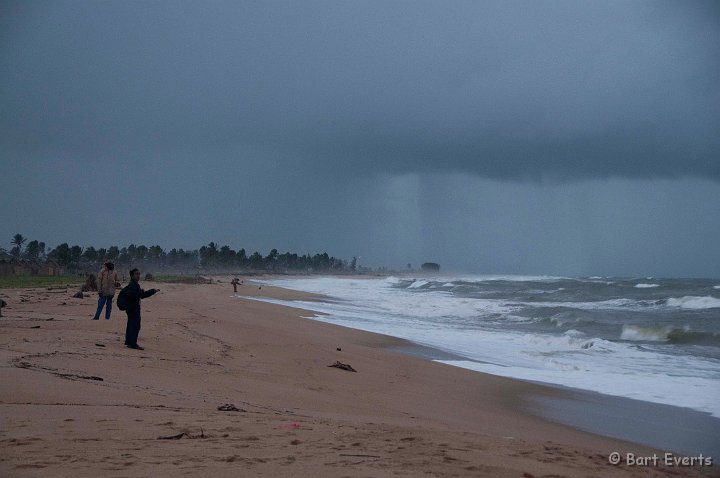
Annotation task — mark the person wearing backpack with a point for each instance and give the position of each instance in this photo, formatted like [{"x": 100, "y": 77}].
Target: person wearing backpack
[
  {"x": 132, "y": 294},
  {"x": 107, "y": 282}
]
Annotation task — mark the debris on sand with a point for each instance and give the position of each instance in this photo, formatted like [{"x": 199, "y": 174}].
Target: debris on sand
[
  {"x": 343, "y": 366},
  {"x": 172, "y": 437},
  {"x": 90, "y": 284},
  {"x": 183, "y": 434}
]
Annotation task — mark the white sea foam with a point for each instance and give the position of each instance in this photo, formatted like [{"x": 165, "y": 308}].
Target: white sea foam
[
  {"x": 646, "y": 286},
  {"x": 693, "y": 302},
  {"x": 598, "y": 280},
  {"x": 455, "y": 324}
]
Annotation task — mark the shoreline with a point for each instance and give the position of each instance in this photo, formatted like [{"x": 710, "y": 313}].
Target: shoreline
[
  {"x": 77, "y": 402},
  {"x": 666, "y": 427}
]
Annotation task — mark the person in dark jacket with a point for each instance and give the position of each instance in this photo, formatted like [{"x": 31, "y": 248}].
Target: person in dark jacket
[{"x": 134, "y": 294}]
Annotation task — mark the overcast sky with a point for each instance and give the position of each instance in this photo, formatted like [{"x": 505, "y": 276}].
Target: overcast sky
[{"x": 534, "y": 137}]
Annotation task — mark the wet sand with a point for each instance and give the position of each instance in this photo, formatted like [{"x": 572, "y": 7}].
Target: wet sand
[
  {"x": 668, "y": 428},
  {"x": 235, "y": 387}
]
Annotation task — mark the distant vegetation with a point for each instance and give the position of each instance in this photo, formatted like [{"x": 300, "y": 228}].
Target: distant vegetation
[{"x": 77, "y": 259}]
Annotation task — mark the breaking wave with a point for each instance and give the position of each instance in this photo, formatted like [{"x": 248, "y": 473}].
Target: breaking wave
[
  {"x": 694, "y": 302},
  {"x": 669, "y": 335}
]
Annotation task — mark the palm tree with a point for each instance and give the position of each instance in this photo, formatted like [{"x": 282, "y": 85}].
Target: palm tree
[
  {"x": 18, "y": 241},
  {"x": 32, "y": 250}
]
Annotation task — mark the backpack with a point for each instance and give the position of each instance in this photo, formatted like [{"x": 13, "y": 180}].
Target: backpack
[{"x": 122, "y": 301}]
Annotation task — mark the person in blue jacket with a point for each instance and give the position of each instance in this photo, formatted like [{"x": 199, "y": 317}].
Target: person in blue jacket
[{"x": 134, "y": 294}]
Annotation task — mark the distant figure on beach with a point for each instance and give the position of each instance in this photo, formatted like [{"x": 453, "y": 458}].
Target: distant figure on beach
[
  {"x": 106, "y": 283},
  {"x": 133, "y": 293},
  {"x": 235, "y": 283}
]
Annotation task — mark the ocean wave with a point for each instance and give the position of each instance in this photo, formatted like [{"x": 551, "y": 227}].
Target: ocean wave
[
  {"x": 557, "y": 321},
  {"x": 694, "y": 302},
  {"x": 479, "y": 279},
  {"x": 597, "y": 280},
  {"x": 417, "y": 284},
  {"x": 669, "y": 335},
  {"x": 571, "y": 341},
  {"x": 617, "y": 304},
  {"x": 646, "y": 286},
  {"x": 690, "y": 337},
  {"x": 644, "y": 334},
  {"x": 561, "y": 319}
]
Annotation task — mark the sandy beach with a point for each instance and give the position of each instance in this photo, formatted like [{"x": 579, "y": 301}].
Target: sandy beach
[{"x": 228, "y": 386}]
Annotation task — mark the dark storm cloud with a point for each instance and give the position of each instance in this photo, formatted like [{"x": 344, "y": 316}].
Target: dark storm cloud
[{"x": 511, "y": 90}]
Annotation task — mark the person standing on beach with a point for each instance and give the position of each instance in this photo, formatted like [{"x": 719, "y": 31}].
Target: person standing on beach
[
  {"x": 107, "y": 282},
  {"x": 235, "y": 283},
  {"x": 133, "y": 294}
]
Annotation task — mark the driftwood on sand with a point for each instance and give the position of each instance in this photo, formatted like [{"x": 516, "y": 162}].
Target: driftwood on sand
[
  {"x": 343, "y": 366},
  {"x": 181, "y": 435}
]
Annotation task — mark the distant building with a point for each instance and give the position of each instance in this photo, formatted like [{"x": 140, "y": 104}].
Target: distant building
[
  {"x": 6, "y": 268},
  {"x": 430, "y": 267},
  {"x": 29, "y": 268}
]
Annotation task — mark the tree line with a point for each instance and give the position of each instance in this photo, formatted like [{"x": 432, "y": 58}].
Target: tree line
[{"x": 209, "y": 257}]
